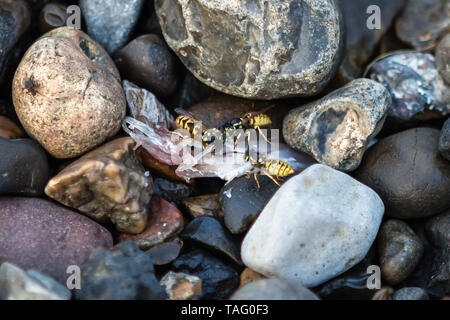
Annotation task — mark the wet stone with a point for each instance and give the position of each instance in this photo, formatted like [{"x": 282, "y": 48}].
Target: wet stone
[
  {"x": 218, "y": 279},
  {"x": 164, "y": 221},
  {"x": 443, "y": 58},
  {"x": 107, "y": 184},
  {"x": 249, "y": 275},
  {"x": 411, "y": 294},
  {"x": 182, "y": 286},
  {"x": 444, "y": 140},
  {"x": 418, "y": 92},
  {"x": 431, "y": 15},
  {"x": 17, "y": 284},
  {"x": 273, "y": 289},
  {"x": 121, "y": 273},
  {"x": 406, "y": 171},
  {"x": 337, "y": 129},
  {"x": 298, "y": 239},
  {"x": 166, "y": 252},
  {"x": 40, "y": 235},
  {"x": 9, "y": 130},
  {"x": 239, "y": 48},
  {"x": 209, "y": 232},
  {"x": 205, "y": 205},
  {"x": 400, "y": 250},
  {"x": 24, "y": 167},
  {"x": 111, "y": 23},
  {"x": 171, "y": 191},
  {"x": 148, "y": 62},
  {"x": 52, "y": 16}
]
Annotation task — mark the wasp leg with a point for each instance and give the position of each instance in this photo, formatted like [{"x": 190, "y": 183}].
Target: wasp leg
[
  {"x": 236, "y": 140},
  {"x": 272, "y": 178},
  {"x": 262, "y": 134},
  {"x": 247, "y": 174},
  {"x": 256, "y": 179}
]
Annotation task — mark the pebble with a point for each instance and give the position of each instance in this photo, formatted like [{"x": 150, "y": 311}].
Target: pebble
[
  {"x": 444, "y": 140},
  {"x": 40, "y": 235},
  {"x": 218, "y": 279},
  {"x": 438, "y": 230},
  {"x": 166, "y": 252},
  {"x": 52, "y": 16},
  {"x": 431, "y": 15},
  {"x": 164, "y": 221},
  {"x": 107, "y": 183},
  {"x": 148, "y": 62},
  {"x": 410, "y": 294},
  {"x": 182, "y": 286},
  {"x": 67, "y": 93},
  {"x": 208, "y": 232},
  {"x": 407, "y": 172},
  {"x": 159, "y": 168},
  {"x": 249, "y": 275},
  {"x": 205, "y": 205},
  {"x": 111, "y": 23},
  {"x": 400, "y": 250},
  {"x": 298, "y": 239},
  {"x": 9, "y": 130},
  {"x": 384, "y": 293},
  {"x": 24, "y": 167},
  {"x": 171, "y": 191},
  {"x": 418, "y": 92},
  {"x": 273, "y": 289},
  {"x": 121, "y": 273},
  {"x": 17, "y": 284},
  {"x": 443, "y": 58},
  {"x": 337, "y": 129},
  {"x": 240, "y": 49}
]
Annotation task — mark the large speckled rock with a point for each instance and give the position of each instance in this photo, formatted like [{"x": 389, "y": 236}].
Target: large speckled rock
[
  {"x": 67, "y": 93},
  {"x": 38, "y": 234},
  {"x": 256, "y": 49},
  {"x": 337, "y": 129},
  {"x": 408, "y": 173},
  {"x": 111, "y": 22},
  {"x": 108, "y": 183},
  {"x": 319, "y": 224}
]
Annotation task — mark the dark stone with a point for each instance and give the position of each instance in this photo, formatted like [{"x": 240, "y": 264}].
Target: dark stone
[
  {"x": 407, "y": 172},
  {"x": 52, "y": 16},
  {"x": 443, "y": 58},
  {"x": 148, "y": 62},
  {"x": 121, "y": 273},
  {"x": 208, "y": 232},
  {"x": 166, "y": 252},
  {"x": 10, "y": 130},
  {"x": 400, "y": 250},
  {"x": 24, "y": 167},
  {"x": 411, "y": 293},
  {"x": 171, "y": 191},
  {"x": 438, "y": 230},
  {"x": 239, "y": 47},
  {"x": 38, "y": 234},
  {"x": 444, "y": 140},
  {"x": 242, "y": 202},
  {"x": 151, "y": 24},
  {"x": 218, "y": 279}
]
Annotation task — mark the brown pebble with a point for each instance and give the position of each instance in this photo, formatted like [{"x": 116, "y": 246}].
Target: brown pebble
[
  {"x": 206, "y": 205},
  {"x": 9, "y": 130},
  {"x": 249, "y": 275}
]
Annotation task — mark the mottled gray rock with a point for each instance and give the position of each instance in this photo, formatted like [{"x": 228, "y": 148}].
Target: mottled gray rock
[
  {"x": 111, "y": 22},
  {"x": 182, "y": 286},
  {"x": 400, "y": 250},
  {"x": 273, "y": 289},
  {"x": 40, "y": 235},
  {"x": 16, "y": 284},
  {"x": 411, "y": 293},
  {"x": 443, "y": 58},
  {"x": 444, "y": 140},
  {"x": 121, "y": 273},
  {"x": 337, "y": 129},
  {"x": 256, "y": 49},
  {"x": 24, "y": 168},
  {"x": 319, "y": 224}
]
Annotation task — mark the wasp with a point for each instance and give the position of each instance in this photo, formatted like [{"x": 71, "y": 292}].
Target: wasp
[{"x": 187, "y": 122}]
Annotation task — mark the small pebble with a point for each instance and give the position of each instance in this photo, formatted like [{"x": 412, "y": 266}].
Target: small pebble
[
  {"x": 9, "y": 130},
  {"x": 52, "y": 16},
  {"x": 182, "y": 286},
  {"x": 166, "y": 252},
  {"x": 171, "y": 191},
  {"x": 411, "y": 294},
  {"x": 205, "y": 205},
  {"x": 444, "y": 140},
  {"x": 249, "y": 275}
]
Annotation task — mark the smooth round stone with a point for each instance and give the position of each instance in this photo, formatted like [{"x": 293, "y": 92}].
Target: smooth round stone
[
  {"x": 408, "y": 173},
  {"x": 209, "y": 232},
  {"x": 337, "y": 129},
  {"x": 166, "y": 252},
  {"x": 444, "y": 140},
  {"x": 52, "y": 16},
  {"x": 205, "y": 205},
  {"x": 38, "y": 234},
  {"x": 67, "y": 93},
  {"x": 400, "y": 250},
  {"x": 319, "y": 224},
  {"x": 410, "y": 293},
  {"x": 171, "y": 191},
  {"x": 423, "y": 22},
  {"x": 9, "y": 130},
  {"x": 24, "y": 167},
  {"x": 120, "y": 273},
  {"x": 148, "y": 62},
  {"x": 418, "y": 92},
  {"x": 111, "y": 22},
  {"x": 256, "y": 49},
  {"x": 443, "y": 58},
  {"x": 438, "y": 230},
  {"x": 273, "y": 289},
  {"x": 182, "y": 286}
]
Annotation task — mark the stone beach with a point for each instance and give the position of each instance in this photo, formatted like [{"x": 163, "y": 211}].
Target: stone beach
[{"x": 351, "y": 171}]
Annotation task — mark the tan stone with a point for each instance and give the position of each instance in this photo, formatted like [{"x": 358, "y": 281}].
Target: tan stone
[
  {"x": 249, "y": 275},
  {"x": 182, "y": 286},
  {"x": 206, "y": 205}
]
